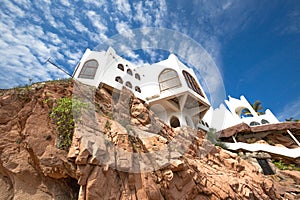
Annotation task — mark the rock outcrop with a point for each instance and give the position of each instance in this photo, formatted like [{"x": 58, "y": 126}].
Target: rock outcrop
[
  {"x": 273, "y": 134},
  {"x": 31, "y": 167},
  {"x": 120, "y": 150}
]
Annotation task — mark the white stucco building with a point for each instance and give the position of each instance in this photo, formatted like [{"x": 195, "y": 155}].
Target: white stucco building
[
  {"x": 170, "y": 88},
  {"x": 224, "y": 117}
]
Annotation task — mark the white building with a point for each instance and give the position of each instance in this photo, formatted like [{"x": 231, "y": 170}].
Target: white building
[
  {"x": 222, "y": 117},
  {"x": 170, "y": 88}
]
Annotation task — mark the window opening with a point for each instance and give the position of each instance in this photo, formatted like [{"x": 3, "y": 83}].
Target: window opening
[
  {"x": 138, "y": 89},
  {"x": 254, "y": 123},
  {"x": 192, "y": 83},
  {"x": 121, "y": 67},
  {"x": 128, "y": 84},
  {"x": 137, "y": 76},
  {"x": 129, "y": 71},
  {"x": 119, "y": 79},
  {"x": 263, "y": 121},
  {"x": 168, "y": 79},
  {"x": 89, "y": 69},
  {"x": 174, "y": 122}
]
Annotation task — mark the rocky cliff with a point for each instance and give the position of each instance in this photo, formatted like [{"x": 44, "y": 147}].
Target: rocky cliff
[{"x": 119, "y": 150}]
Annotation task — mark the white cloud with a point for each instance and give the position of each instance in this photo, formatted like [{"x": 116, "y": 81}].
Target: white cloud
[
  {"x": 65, "y": 3},
  {"x": 290, "y": 110},
  {"x": 150, "y": 13},
  {"x": 141, "y": 16},
  {"x": 23, "y": 3},
  {"x": 96, "y": 21},
  {"x": 54, "y": 38},
  {"x": 124, "y": 29},
  {"x": 14, "y": 9},
  {"x": 123, "y": 6},
  {"x": 78, "y": 25},
  {"x": 24, "y": 48},
  {"x": 63, "y": 29},
  {"x": 94, "y": 3}
]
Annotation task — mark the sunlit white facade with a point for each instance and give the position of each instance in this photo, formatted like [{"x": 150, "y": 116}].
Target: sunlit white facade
[
  {"x": 224, "y": 117},
  {"x": 170, "y": 88}
]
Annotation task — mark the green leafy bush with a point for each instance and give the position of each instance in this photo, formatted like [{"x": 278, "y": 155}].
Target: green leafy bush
[
  {"x": 62, "y": 114},
  {"x": 283, "y": 166},
  {"x": 211, "y": 136}
]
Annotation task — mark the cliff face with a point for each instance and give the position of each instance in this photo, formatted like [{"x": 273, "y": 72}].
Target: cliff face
[
  {"x": 121, "y": 151},
  {"x": 27, "y": 146}
]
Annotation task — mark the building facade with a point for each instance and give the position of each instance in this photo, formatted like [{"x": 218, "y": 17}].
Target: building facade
[
  {"x": 231, "y": 114},
  {"x": 171, "y": 89}
]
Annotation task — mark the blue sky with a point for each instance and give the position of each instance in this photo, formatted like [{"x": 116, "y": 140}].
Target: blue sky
[{"x": 255, "y": 43}]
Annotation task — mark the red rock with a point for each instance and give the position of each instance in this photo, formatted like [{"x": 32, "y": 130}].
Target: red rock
[{"x": 31, "y": 166}]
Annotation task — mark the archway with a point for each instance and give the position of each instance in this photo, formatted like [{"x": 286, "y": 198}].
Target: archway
[{"x": 174, "y": 122}]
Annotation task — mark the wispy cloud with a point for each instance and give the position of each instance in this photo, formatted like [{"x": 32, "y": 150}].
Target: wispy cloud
[
  {"x": 124, "y": 29},
  {"x": 150, "y": 13},
  {"x": 63, "y": 32},
  {"x": 123, "y": 6},
  {"x": 292, "y": 24},
  {"x": 96, "y": 21},
  {"x": 32, "y": 31},
  {"x": 292, "y": 109}
]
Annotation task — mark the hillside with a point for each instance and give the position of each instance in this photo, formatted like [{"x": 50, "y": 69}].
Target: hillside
[{"x": 114, "y": 151}]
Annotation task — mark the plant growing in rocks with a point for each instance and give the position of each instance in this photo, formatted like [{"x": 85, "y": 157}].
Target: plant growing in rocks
[{"x": 62, "y": 115}]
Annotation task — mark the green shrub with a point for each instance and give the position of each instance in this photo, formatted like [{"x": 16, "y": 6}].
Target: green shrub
[
  {"x": 107, "y": 125},
  {"x": 222, "y": 145},
  {"x": 283, "y": 166},
  {"x": 62, "y": 114},
  {"x": 212, "y": 137}
]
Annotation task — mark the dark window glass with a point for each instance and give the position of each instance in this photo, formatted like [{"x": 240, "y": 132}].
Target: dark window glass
[
  {"x": 137, "y": 76},
  {"x": 263, "y": 121},
  {"x": 121, "y": 67},
  {"x": 119, "y": 79},
  {"x": 254, "y": 123},
  {"x": 138, "y": 89},
  {"x": 192, "y": 83},
  {"x": 129, "y": 71},
  {"x": 174, "y": 122},
  {"x": 128, "y": 84}
]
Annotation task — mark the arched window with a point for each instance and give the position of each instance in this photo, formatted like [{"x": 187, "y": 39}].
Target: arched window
[
  {"x": 137, "y": 76},
  {"x": 263, "y": 121},
  {"x": 138, "y": 89},
  {"x": 245, "y": 112},
  {"x": 254, "y": 123},
  {"x": 129, "y": 71},
  {"x": 89, "y": 69},
  {"x": 168, "y": 79},
  {"x": 121, "y": 67},
  {"x": 174, "y": 122},
  {"x": 128, "y": 84},
  {"x": 192, "y": 83},
  {"x": 119, "y": 79}
]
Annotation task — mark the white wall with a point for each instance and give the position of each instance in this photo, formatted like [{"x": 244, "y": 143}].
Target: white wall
[
  {"x": 107, "y": 71},
  {"x": 222, "y": 118}
]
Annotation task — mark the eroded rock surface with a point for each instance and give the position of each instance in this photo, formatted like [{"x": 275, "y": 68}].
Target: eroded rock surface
[
  {"x": 112, "y": 152},
  {"x": 31, "y": 167}
]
